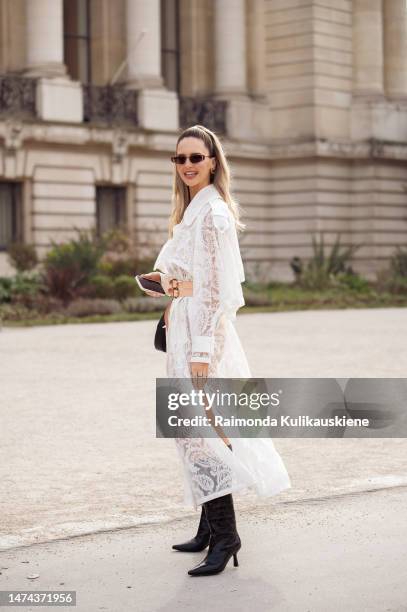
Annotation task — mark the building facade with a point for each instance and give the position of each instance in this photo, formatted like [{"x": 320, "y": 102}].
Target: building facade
[{"x": 308, "y": 96}]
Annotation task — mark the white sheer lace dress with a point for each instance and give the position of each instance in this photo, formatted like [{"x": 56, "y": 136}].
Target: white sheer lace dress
[{"x": 205, "y": 249}]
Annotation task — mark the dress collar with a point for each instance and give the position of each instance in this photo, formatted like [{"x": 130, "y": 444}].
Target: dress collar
[{"x": 204, "y": 195}]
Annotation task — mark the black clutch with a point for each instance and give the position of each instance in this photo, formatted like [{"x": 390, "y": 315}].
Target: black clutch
[{"x": 160, "y": 340}]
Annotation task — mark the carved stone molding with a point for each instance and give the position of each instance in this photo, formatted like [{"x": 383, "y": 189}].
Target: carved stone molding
[
  {"x": 13, "y": 136},
  {"x": 120, "y": 145},
  {"x": 365, "y": 149}
]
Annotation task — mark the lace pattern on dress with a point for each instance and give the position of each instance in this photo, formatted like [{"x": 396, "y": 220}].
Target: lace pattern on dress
[
  {"x": 205, "y": 305},
  {"x": 208, "y": 473}
]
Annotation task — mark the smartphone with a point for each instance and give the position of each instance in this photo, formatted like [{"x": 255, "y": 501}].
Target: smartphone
[{"x": 147, "y": 283}]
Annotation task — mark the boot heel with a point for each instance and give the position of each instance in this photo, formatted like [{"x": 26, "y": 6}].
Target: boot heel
[{"x": 235, "y": 561}]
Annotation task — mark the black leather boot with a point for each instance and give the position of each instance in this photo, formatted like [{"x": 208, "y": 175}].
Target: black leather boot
[
  {"x": 200, "y": 541},
  {"x": 202, "y": 538},
  {"x": 225, "y": 541}
]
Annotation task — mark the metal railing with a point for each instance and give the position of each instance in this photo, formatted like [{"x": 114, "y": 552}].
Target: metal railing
[
  {"x": 111, "y": 104},
  {"x": 205, "y": 111},
  {"x": 17, "y": 96}
]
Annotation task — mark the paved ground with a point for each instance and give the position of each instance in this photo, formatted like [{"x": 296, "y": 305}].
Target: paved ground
[
  {"x": 78, "y": 456},
  {"x": 341, "y": 554}
]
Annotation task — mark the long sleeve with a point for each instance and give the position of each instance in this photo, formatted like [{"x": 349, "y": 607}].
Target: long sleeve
[{"x": 205, "y": 306}]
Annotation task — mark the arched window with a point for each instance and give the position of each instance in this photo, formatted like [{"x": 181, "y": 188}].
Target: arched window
[
  {"x": 170, "y": 52},
  {"x": 77, "y": 39}
]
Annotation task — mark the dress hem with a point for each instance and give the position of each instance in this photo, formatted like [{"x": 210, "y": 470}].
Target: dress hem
[
  {"x": 244, "y": 487},
  {"x": 219, "y": 494}
]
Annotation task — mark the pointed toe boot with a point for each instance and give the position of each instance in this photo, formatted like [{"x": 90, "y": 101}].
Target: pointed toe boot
[
  {"x": 200, "y": 541},
  {"x": 225, "y": 541}
]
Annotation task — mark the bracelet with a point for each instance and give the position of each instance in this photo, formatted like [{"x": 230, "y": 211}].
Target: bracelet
[{"x": 174, "y": 288}]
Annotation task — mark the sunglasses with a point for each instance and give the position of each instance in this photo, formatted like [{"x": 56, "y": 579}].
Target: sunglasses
[{"x": 195, "y": 158}]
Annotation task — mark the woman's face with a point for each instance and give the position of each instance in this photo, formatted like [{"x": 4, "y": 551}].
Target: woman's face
[{"x": 195, "y": 176}]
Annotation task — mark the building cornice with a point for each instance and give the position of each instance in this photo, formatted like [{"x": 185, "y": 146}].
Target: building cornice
[{"x": 15, "y": 134}]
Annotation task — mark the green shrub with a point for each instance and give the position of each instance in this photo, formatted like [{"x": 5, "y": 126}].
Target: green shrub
[
  {"x": 26, "y": 288},
  {"x": 84, "y": 251},
  {"x": 394, "y": 278},
  {"x": 5, "y": 288},
  {"x": 87, "y": 307},
  {"x": 398, "y": 263},
  {"x": 389, "y": 282},
  {"x": 16, "y": 312},
  {"x": 22, "y": 257},
  {"x": 45, "y": 304},
  {"x": 121, "y": 256},
  {"x": 70, "y": 265},
  {"x": 63, "y": 283},
  {"x": 354, "y": 282},
  {"x": 322, "y": 268},
  {"x": 125, "y": 287},
  {"x": 253, "y": 298},
  {"x": 142, "y": 304},
  {"x": 101, "y": 286},
  {"x": 118, "y": 240},
  {"x": 315, "y": 278},
  {"x": 22, "y": 288},
  {"x": 143, "y": 266},
  {"x": 115, "y": 265},
  {"x": 123, "y": 266},
  {"x": 398, "y": 284}
]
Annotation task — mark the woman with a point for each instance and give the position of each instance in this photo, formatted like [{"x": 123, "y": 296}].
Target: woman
[{"x": 203, "y": 255}]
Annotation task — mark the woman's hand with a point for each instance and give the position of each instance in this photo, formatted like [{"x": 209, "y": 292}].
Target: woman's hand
[
  {"x": 199, "y": 373},
  {"x": 155, "y": 276},
  {"x": 164, "y": 280}
]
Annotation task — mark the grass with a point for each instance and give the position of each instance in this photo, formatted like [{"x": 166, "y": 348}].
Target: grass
[
  {"x": 282, "y": 297},
  {"x": 58, "y": 319},
  {"x": 291, "y": 297}
]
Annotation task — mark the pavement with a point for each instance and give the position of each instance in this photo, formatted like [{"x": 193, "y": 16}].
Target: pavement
[
  {"x": 91, "y": 499},
  {"x": 340, "y": 554}
]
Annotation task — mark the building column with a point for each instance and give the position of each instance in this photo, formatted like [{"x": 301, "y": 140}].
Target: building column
[
  {"x": 256, "y": 49},
  {"x": 246, "y": 119},
  {"x": 368, "y": 48},
  {"x": 395, "y": 48},
  {"x": 58, "y": 98},
  {"x": 45, "y": 43},
  {"x": 157, "y": 107},
  {"x": 380, "y": 70},
  {"x": 144, "y": 44},
  {"x": 230, "y": 48}
]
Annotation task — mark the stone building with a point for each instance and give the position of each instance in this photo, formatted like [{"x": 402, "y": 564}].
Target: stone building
[{"x": 309, "y": 97}]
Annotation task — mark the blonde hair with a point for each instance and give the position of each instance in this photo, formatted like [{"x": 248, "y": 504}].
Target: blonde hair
[{"x": 220, "y": 178}]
